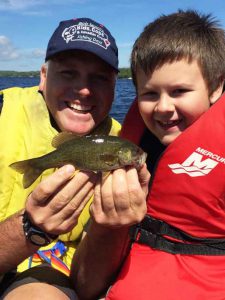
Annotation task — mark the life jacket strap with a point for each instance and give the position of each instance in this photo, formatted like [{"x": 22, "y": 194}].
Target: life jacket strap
[{"x": 157, "y": 234}]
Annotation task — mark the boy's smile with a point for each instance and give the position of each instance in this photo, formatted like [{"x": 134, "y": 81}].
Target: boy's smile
[{"x": 172, "y": 98}]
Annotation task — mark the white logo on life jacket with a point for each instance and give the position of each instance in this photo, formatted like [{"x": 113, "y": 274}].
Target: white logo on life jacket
[{"x": 195, "y": 165}]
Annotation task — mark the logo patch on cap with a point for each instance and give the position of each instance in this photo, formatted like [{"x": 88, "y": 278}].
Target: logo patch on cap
[{"x": 86, "y": 32}]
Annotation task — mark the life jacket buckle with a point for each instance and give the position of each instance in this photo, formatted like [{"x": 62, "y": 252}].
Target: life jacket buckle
[
  {"x": 151, "y": 224},
  {"x": 140, "y": 235}
]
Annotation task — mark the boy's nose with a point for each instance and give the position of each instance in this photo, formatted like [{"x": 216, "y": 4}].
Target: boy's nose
[{"x": 165, "y": 104}]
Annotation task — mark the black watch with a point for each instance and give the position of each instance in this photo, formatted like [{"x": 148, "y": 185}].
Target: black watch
[{"x": 34, "y": 234}]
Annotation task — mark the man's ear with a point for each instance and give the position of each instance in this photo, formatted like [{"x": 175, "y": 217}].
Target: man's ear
[
  {"x": 43, "y": 75},
  {"x": 217, "y": 93}
]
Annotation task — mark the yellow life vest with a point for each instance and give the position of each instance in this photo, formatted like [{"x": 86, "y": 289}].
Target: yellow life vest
[{"x": 26, "y": 132}]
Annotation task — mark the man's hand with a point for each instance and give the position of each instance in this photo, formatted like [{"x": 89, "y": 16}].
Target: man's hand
[
  {"x": 56, "y": 203},
  {"x": 120, "y": 199}
]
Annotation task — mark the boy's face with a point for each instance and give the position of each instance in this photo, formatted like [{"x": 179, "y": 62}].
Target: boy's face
[
  {"x": 78, "y": 90},
  {"x": 172, "y": 98}
]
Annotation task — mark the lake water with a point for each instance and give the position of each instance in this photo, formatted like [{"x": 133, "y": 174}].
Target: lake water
[{"x": 124, "y": 94}]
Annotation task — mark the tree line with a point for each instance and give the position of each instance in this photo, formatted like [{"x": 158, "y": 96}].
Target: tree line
[{"x": 124, "y": 73}]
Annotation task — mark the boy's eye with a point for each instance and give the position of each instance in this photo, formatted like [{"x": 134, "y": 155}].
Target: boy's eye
[
  {"x": 150, "y": 95},
  {"x": 178, "y": 92}
]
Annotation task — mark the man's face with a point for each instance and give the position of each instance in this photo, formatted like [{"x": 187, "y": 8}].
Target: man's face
[{"x": 79, "y": 90}]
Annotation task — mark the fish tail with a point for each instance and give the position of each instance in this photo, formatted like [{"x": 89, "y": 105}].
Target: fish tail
[{"x": 29, "y": 170}]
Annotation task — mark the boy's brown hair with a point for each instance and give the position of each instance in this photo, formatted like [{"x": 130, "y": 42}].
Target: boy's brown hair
[{"x": 184, "y": 34}]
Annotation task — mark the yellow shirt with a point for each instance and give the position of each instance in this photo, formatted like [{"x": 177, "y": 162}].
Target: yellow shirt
[{"x": 26, "y": 132}]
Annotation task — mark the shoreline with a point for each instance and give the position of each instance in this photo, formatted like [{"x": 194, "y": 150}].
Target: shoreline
[{"x": 123, "y": 73}]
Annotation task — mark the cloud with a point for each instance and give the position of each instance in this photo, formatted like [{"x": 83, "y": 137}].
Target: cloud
[
  {"x": 38, "y": 53},
  {"x": 7, "y": 50},
  {"x": 20, "y": 5}
]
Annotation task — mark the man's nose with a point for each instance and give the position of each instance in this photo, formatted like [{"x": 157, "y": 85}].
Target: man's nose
[
  {"x": 84, "y": 91},
  {"x": 82, "y": 87}
]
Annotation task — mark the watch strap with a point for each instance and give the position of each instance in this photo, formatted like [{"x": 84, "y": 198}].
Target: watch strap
[{"x": 34, "y": 234}]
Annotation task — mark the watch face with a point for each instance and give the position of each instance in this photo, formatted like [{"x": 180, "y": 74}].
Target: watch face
[
  {"x": 34, "y": 234},
  {"x": 37, "y": 239}
]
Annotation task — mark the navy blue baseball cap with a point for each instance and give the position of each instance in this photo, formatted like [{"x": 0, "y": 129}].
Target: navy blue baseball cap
[{"x": 84, "y": 34}]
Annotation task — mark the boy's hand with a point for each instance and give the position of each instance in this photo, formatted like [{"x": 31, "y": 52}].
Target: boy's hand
[
  {"x": 120, "y": 199},
  {"x": 56, "y": 203}
]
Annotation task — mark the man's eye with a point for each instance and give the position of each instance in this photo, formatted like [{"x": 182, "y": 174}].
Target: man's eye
[
  {"x": 100, "y": 77},
  {"x": 67, "y": 74}
]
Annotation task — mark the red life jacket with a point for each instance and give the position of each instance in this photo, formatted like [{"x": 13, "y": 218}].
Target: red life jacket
[
  {"x": 188, "y": 192},
  {"x": 188, "y": 186}
]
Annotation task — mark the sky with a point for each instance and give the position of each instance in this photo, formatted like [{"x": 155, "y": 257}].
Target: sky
[{"x": 26, "y": 25}]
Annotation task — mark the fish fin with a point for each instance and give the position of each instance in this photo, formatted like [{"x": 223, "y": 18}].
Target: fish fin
[
  {"x": 109, "y": 159},
  {"x": 63, "y": 137},
  {"x": 25, "y": 167},
  {"x": 103, "y": 128}
]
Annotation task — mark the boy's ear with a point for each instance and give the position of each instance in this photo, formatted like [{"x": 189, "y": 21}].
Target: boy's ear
[{"x": 217, "y": 93}]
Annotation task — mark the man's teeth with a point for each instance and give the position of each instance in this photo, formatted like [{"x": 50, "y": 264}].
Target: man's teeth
[{"x": 80, "y": 107}]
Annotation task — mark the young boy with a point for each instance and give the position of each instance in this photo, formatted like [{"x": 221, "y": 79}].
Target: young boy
[{"x": 178, "y": 251}]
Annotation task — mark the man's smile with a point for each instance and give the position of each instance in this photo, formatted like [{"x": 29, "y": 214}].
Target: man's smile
[{"x": 81, "y": 108}]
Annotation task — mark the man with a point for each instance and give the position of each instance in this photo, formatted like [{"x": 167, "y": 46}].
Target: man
[{"x": 75, "y": 95}]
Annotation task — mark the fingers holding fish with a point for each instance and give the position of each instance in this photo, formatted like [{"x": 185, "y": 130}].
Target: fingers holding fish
[
  {"x": 129, "y": 197},
  {"x": 57, "y": 202},
  {"x": 137, "y": 181},
  {"x": 138, "y": 191},
  {"x": 104, "y": 205},
  {"x": 72, "y": 194},
  {"x": 120, "y": 191},
  {"x": 51, "y": 184},
  {"x": 144, "y": 177},
  {"x": 69, "y": 221},
  {"x": 120, "y": 199},
  {"x": 78, "y": 191}
]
